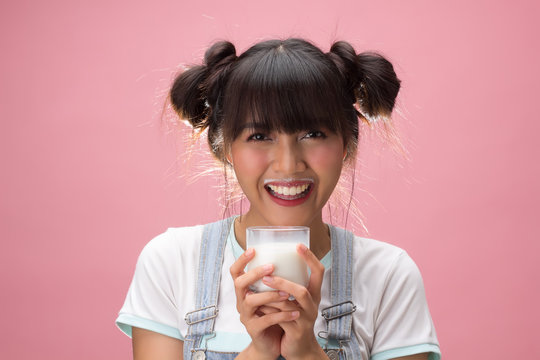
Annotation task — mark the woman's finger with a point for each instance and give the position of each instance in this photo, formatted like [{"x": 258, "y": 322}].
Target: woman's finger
[
  {"x": 265, "y": 310},
  {"x": 285, "y": 305},
  {"x": 274, "y": 318},
  {"x": 291, "y": 327},
  {"x": 255, "y": 300},
  {"x": 245, "y": 280},
  {"x": 317, "y": 271},
  {"x": 300, "y": 293},
  {"x": 237, "y": 268}
]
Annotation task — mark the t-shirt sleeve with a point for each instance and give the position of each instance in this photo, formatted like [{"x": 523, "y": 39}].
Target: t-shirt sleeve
[
  {"x": 151, "y": 301},
  {"x": 403, "y": 324}
]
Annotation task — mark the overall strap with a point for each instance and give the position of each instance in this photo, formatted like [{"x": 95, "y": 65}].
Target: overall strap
[
  {"x": 338, "y": 316},
  {"x": 201, "y": 320}
]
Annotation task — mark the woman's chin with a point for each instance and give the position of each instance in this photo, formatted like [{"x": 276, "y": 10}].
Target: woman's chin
[{"x": 285, "y": 218}]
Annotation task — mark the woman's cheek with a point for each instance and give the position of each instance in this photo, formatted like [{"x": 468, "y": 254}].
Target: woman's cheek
[
  {"x": 249, "y": 162},
  {"x": 328, "y": 157}
]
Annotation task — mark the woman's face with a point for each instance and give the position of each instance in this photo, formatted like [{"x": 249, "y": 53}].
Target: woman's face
[{"x": 287, "y": 178}]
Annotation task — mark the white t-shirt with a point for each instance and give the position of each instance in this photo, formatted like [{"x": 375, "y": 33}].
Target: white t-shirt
[{"x": 392, "y": 318}]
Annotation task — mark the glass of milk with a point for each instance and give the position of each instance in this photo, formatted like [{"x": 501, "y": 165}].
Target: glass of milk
[{"x": 277, "y": 245}]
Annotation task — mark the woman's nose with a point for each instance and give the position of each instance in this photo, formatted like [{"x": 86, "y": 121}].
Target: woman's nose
[{"x": 288, "y": 157}]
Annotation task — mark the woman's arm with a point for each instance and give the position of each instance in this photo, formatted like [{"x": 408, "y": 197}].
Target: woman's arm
[
  {"x": 150, "y": 345},
  {"x": 423, "y": 356}
]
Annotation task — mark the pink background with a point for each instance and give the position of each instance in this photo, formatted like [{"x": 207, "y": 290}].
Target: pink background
[{"x": 88, "y": 175}]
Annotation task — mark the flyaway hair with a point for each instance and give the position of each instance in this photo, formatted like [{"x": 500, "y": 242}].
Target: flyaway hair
[{"x": 284, "y": 85}]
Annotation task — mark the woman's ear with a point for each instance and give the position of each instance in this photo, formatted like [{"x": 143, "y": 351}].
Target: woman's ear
[{"x": 228, "y": 158}]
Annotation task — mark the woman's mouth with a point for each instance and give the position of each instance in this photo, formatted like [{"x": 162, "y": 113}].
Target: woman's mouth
[{"x": 289, "y": 193}]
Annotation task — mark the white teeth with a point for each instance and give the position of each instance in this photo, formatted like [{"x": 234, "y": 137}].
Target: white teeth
[{"x": 285, "y": 190}]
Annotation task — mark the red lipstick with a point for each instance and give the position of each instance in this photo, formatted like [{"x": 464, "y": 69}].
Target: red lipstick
[{"x": 289, "y": 193}]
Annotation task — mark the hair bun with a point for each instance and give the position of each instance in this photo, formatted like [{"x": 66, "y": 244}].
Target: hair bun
[
  {"x": 217, "y": 59},
  {"x": 221, "y": 53},
  {"x": 196, "y": 89},
  {"x": 187, "y": 98},
  {"x": 344, "y": 57},
  {"x": 379, "y": 86},
  {"x": 368, "y": 77}
]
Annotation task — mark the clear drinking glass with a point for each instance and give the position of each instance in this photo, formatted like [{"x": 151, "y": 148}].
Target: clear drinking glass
[{"x": 277, "y": 245}]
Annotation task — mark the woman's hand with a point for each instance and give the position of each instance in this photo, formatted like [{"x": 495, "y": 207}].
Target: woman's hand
[
  {"x": 260, "y": 319},
  {"x": 298, "y": 340}
]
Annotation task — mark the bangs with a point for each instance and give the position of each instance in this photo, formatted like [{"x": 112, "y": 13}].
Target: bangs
[{"x": 283, "y": 91}]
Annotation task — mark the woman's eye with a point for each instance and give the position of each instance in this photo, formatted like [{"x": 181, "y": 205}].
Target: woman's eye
[
  {"x": 314, "y": 134},
  {"x": 257, "y": 137}
]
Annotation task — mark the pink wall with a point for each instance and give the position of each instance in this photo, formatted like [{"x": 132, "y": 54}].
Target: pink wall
[{"x": 88, "y": 177}]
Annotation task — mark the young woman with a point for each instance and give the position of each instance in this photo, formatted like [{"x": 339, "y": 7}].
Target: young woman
[{"x": 285, "y": 117}]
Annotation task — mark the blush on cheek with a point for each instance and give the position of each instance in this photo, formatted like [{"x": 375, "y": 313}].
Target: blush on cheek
[
  {"x": 326, "y": 157},
  {"x": 249, "y": 162}
]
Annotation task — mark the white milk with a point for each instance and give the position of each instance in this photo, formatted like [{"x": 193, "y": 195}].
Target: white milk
[{"x": 287, "y": 263}]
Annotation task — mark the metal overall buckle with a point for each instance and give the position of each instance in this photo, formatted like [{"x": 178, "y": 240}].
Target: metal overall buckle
[
  {"x": 326, "y": 313},
  {"x": 212, "y": 315}
]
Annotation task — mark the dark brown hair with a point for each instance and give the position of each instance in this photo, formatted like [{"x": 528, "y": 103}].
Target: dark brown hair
[{"x": 284, "y": 85}]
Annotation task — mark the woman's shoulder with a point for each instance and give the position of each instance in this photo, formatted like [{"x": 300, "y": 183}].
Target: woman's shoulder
[
  {"x": 374, "y": 247},
  {"x": 177, "y": 245},
  {"x": 173, "y": 242},
  {"x": 381, "y": 257}
]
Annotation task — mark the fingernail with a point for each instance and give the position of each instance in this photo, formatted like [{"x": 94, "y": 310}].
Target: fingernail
[
  {"x": 267, "y": 279},
  {"x": 283, "y": 294},
  {"x": 302, "y": 247},
  {"x": 295, "y": 314},
  {"x": 268, "y": 267},
  {"x": 249, "y": 252}
]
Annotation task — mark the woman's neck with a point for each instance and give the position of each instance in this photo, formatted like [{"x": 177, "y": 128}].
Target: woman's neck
[{"x": 319, "y": 233}]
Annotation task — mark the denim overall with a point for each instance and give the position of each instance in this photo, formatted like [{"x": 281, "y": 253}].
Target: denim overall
[{"x": 338, "y": 316}]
